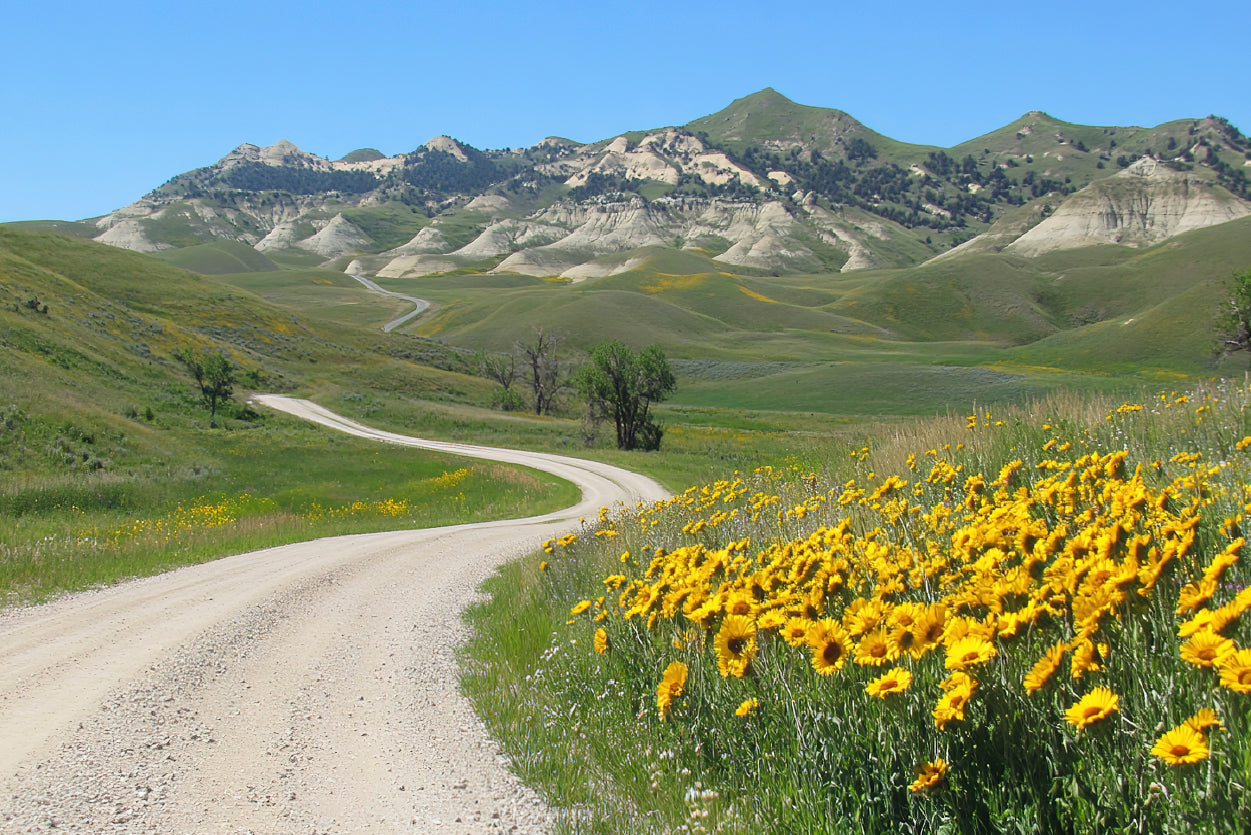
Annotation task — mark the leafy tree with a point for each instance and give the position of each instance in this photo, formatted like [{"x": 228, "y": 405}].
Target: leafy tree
[
  {"x": 1235, "y": 319},
  {"x": 213, "y": 373},
  {"x": 619, "y": 384}
]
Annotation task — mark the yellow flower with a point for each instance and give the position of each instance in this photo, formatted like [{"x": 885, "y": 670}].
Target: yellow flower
[
  {"x": 795, "y": 632},
  {"x": 1203, "y": 719},
  {"x": 580, "y": 607},
  {"x": 968, "y": 651},
  {"x": 930, "y": 776},
  {"x": 1235, "y": 670},
  {"x": 1181, "y": 746},
  {"x": 1086, "y": 657},
  {"x": 829, "y": 643},
  {"x": 928, "y": 630},
  {"x": 875, "y": 649},
  {"x": 895, "y": 680},
  {"x": 735, "y": 645},
  {"x": 951, "y": 704},
  {"x": 740, "y": 603},
  {"x": 862, "y": 615},
  {"x": 670, "y": 687},
  {"x": 601, "y": 640},
  {"x": 1044, "y": 668},
  {"x": 1206, "y": 649},
  {"x": 1095, "y": 705},
  {"x": 747, "y": 708}
]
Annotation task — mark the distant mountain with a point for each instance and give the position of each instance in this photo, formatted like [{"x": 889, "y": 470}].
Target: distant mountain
[{"x": 763, "y": 185}]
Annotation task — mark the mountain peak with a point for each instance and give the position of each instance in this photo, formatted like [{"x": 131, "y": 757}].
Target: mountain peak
[
  {"x": 767, "y": 96},
  {"x": 769, "y": 118},
  {"x": 448, "y": 145}
]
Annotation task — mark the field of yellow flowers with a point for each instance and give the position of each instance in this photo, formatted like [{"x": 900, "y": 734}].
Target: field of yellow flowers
[{"x": 1035, "y": 621}]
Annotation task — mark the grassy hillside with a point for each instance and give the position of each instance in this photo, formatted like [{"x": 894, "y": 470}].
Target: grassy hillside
[
  {"x": 761, "y": 360},
  {"x": 1098, "y": 310},
  {"x": 768, "y": 116},
  {"x": 218, "y": 257},
  {"x": 109, "y": 465}
]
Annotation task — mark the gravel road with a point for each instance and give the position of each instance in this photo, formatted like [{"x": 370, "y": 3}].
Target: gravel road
[{"x": 310, "y": 688}]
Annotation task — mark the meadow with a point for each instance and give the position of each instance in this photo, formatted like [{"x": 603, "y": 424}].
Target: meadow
[
  {"x": 1025, "y": 619},
  {"x": 872, "y": 612},
  {"x": 246, "y": 489}
]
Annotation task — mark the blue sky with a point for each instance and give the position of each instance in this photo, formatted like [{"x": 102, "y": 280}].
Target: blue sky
[{"x": 102, "y": 102}]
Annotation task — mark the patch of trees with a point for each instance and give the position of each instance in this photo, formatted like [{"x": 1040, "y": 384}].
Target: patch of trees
[
  {"x": 622, "y": 386},
  {"x": 443, "y": 173},
  {"x": 257, "y": 176},
  {"x": 600, "y": 183},
  {"x": 617, "y": 384},
  {"x": 859, "y": 149},
  {"x": 1234, "y": 321},
  {"x": 1233, "y": 179}
]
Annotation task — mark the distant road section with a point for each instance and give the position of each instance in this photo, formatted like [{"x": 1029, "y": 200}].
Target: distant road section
[
  {"x": 422, "y": 304},
  {"x": 310, "y": 688}
]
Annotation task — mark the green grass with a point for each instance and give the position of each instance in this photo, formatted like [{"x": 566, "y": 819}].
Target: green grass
[
  {"x": 273, "y": 482},
  {"x": 218, "y": 257},
  {"x": 322, "y": 295},
  {"x": 388, "y": 225},
  {"x": 75, "y": 228}
]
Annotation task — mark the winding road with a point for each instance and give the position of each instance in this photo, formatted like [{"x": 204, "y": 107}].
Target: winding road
[
  {"x": 309, "y": 688},
  {"x": 422, "y": 304}
]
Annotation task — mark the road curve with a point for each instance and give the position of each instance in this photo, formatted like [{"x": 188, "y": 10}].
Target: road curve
[
  {"x": 307, "y": 688},
  {"x": 421, "y": 304}
]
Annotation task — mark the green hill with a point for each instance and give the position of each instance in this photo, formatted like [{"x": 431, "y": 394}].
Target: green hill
[{"x": 218, "y": 257}]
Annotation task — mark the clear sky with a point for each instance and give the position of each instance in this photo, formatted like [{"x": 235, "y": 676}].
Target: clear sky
[{"x": 103, "y": 101}]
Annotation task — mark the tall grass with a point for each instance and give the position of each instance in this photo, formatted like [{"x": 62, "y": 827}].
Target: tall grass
[
  {"x": 252, "y": 489},
  {"x": 1025, "y": 620}
]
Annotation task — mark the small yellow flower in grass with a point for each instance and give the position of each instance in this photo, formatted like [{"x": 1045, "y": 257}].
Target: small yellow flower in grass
[
  {"x": 1095, "y": 705},
  {"x": 1044, "y": 668},
  {"x": 1087, "y": 656},
  {"x": 830, "y": 646},
  {"x": 1235, "y": 670},
  {"x": 735, "y": 645},
  {"x": 580, "y": 607},
  {"x": 601, "y": 640},
  {"x": 895, "y": 680},
  {"x": 930, "y": 776},
  {"x": 1181, "y": 746},
  {"x": 543, "y": 566},
  {"x": 1203, "y": 719},
  {"x": 747, "y": 708},
  {"x": 959, "y": 688},
  {"x": 928, "y": 630},
  {"x": 1206, "y": 649},
  {"x": 795, "y": 632},
  {"x": 670, "y": 687},
  {"x": 968, "y": 651},
  {"x": 876, "y": 648}
]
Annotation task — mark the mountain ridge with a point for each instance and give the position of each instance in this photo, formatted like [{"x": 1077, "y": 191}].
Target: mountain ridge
[{"x": 763, "y": 184}]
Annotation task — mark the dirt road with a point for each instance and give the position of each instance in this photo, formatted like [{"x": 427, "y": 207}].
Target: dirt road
[{"x": 309, "y": 688}]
